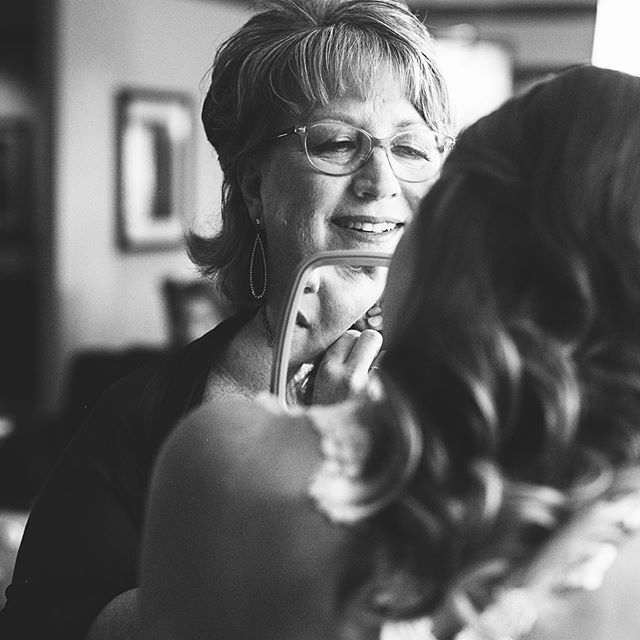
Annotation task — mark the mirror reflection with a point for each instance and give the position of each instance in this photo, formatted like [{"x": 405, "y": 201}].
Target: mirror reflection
[{"x": 330, "y": 331}]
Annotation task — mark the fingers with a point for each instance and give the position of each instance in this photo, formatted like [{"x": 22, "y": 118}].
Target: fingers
[
  {"x": 353, "y": 353},
  {"x": 345, "y": 367},
  {"x": 374, "y": 317},
  {"x": 341, "y": 349},
  {"x": 364, "y": 351}
]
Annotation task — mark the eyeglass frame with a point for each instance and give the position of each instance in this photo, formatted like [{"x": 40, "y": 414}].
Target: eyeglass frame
[{"x": 301, "y": 131}]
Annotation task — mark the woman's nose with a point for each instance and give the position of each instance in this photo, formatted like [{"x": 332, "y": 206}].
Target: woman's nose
[
  {"x": 375, "y": 178},
  {"x": 312, "y": 285}
]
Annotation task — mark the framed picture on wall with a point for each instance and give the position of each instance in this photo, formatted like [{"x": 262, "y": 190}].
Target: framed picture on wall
[{"x": 154, "y": 168}]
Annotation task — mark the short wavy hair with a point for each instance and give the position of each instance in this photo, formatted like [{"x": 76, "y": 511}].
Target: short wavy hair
[
  {"x": 290, "y": 58},
  {"x": 518, "y": 349}
]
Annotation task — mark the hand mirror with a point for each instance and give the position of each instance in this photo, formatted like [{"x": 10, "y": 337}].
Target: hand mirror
[{"x": 331, "y": 293}]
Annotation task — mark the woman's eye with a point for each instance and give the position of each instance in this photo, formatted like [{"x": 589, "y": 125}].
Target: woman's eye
[
  {"x": 368, "y": 271},
  {"x": 409, "y": 152},
  {"x": 343, "y": 145}
]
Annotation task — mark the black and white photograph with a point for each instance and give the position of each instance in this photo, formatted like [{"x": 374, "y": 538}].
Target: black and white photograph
[{"x": 320, "y": 320}]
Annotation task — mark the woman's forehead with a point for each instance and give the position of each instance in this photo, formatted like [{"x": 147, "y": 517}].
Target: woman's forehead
[
  {"x": 384, "y": 81},
  {"x": 378, "y": 91},
  {"x": 386, "y": 111}
]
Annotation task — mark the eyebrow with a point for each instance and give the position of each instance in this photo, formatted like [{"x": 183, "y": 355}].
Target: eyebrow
[{"x": 410, "y": 123}]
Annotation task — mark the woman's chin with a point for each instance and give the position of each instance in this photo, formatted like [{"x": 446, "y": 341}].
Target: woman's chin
[{"x": 306, "y": 347}]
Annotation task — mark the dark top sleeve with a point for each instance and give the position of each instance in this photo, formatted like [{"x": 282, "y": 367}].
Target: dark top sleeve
[{"x": 80, "y": 546}]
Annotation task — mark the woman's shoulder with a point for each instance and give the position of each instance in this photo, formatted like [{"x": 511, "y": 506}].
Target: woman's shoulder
[
  {"x": 230, "y": 500},
  {"x": 252, "y": 444}
]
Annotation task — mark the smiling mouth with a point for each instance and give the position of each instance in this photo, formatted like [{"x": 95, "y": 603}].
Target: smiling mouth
[
  {"x": 368, "y": 226},
  {"x": 301, "y": 321}
]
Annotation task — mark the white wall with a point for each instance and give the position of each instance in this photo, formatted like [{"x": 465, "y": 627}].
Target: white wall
[
  {"x": 546, "y": 40},
  {"x": 103, "y": 297}
]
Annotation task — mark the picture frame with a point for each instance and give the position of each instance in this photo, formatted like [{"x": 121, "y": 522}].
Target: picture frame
[{"x": 154, "y": 168}]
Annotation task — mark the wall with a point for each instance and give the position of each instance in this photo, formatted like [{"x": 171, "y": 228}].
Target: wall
[
  {"x": 103, "y": 297},
  {"x": 542, "y": 38}
]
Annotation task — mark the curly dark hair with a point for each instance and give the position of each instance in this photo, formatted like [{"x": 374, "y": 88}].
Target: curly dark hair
[{"x": 518, "y": 349}]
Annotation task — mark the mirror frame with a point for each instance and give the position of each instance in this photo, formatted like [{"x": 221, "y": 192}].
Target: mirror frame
[{"x": 287, "y": 319}]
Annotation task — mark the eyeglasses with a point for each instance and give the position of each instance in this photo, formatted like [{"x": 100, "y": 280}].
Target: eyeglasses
[{"x": 339, "y": 149}]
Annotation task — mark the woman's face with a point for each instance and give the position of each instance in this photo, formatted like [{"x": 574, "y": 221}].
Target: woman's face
[{"x": 304, "y": 211}]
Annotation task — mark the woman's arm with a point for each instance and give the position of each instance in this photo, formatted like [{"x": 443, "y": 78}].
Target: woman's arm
[{"x": 233, "y": 548}]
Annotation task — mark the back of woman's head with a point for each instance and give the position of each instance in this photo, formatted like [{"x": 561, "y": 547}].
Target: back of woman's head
[
  {"x": 519, "y": 348},
  {"x": 530, "y": 242},
  {"x": 290, "y": 58}
]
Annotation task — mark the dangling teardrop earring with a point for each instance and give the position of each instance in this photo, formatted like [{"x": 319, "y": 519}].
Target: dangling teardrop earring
[{"x": 255, "y": 263}]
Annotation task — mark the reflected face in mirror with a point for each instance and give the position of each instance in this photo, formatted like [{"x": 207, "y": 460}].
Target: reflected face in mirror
[{"x": 334, "y": 298}]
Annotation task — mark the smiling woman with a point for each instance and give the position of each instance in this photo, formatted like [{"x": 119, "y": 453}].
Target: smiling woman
[
  {"x": 305, "y": 210},
  {"x": 357, "y": 83}
]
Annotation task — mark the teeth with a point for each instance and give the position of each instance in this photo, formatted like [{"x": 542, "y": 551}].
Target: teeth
[{"x": 370, "y": 227}]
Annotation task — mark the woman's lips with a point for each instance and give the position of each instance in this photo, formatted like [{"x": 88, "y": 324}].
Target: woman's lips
[
  {"x": 301, "y": 321},
  {"x": 370, "y": 227},
  {"x": 367, "y": 225}
]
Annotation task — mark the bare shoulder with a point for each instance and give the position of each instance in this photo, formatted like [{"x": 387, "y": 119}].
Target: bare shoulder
[
  {"x": 229, "y": 522},
  {"x": 259, "y": 447}
]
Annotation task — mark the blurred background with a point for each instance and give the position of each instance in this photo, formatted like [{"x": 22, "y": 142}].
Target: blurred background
[{"x": 103, "y": 163}]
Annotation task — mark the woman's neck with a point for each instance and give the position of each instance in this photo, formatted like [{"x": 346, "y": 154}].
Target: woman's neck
[{"x": 244, "y": 368}]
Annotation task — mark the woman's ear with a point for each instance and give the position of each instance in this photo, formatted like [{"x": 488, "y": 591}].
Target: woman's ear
[{"x": 250, "y": 179}]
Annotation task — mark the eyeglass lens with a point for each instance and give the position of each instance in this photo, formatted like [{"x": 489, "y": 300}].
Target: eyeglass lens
[{"x": 340, "y": 149}]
